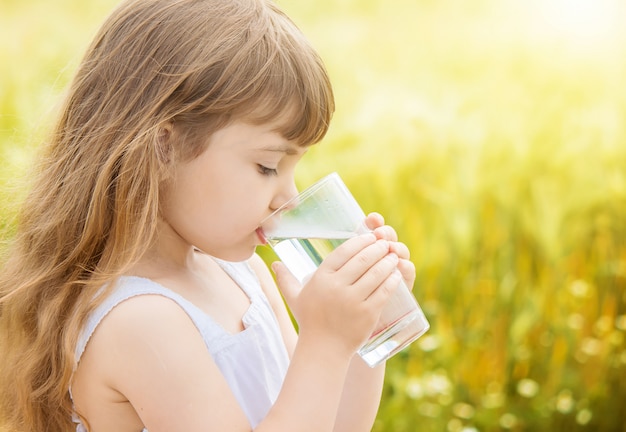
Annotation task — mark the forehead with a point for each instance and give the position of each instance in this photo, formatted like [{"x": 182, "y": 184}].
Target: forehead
[{"x": 245, "y": 136}]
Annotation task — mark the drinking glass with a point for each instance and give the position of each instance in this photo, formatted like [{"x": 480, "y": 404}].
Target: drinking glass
[{"x": 306, "y": 229}]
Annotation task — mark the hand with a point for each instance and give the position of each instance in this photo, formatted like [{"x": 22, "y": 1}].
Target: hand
[
  {"x": 344, "y": 297},
  {"x": 376, "y": 223}
]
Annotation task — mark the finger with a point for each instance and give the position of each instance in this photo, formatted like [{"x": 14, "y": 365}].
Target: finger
[
  {"x": 380, "y": 296},
  {"x": 400, "y": 249},
  {"x": 374, "y": 220},
  {"x": 386, "y": 232},
  {"x": 360, "y": 263},
  {"x": 407, "y": 270},
  {"x": 377, "y": 274},
  {"x": 346, "y": 251},
  {"x": 286, "y": 282}
]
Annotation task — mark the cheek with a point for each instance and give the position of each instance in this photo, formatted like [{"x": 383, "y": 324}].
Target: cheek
[
  {"x": 229, "y": 212},
  {"x": 187, "y": 205}
]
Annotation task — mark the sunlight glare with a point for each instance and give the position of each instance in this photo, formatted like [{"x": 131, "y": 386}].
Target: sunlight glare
[{"x": 585, "y": 23}]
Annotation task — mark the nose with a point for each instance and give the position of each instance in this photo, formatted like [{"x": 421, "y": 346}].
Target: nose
[{"x": 287, "y": 190}]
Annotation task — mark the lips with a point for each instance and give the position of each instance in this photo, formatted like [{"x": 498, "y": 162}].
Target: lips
[{"x": 261, "y": 236}]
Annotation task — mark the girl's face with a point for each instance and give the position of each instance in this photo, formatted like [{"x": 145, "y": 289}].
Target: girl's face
[{"x": 218, "y": 199}]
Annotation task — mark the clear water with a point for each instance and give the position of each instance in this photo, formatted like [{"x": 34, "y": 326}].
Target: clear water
[{"x": 303, "y": 254}]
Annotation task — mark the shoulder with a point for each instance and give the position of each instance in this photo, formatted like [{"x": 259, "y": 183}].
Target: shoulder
[
  {"x": 129, "y": 333},
  {"x": 145, "y": 311},
  {"x": 142, "y": 326},
  {"x": 148, "y": 351}
]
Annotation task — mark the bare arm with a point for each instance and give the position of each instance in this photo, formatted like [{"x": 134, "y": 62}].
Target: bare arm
[
  {"x": 362, "y": 387},
  {"x": 361, "y": 397}
]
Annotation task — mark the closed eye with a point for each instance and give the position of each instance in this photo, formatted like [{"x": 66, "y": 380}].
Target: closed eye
[{"x": 267, "y": 171}]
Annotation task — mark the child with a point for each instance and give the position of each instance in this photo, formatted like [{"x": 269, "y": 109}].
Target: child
[{"x": 132, "y": 298}]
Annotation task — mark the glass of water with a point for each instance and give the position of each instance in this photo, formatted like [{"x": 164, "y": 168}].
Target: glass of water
[{"x": 310, "y": 226}]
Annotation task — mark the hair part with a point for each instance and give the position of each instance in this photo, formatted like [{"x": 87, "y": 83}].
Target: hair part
[{"x": 193, "y": 65}]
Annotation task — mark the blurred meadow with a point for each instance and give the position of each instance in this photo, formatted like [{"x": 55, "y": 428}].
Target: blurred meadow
[{"x": 491, "y": 134}]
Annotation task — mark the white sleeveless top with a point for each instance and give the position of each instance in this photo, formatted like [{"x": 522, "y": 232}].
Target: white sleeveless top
[{"x": 254, "y": 361}]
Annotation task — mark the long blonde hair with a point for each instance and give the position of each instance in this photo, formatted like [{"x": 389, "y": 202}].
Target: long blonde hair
[{"x": 194, "y": 64}]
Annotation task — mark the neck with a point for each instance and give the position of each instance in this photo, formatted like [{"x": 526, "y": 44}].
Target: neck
[{"x": 169, "y": 253}]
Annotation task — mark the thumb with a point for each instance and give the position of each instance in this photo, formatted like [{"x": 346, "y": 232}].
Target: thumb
[{"x": 287, "y": 283}]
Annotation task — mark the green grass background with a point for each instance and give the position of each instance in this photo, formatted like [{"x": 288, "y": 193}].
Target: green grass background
[{"x": 491, "y": 134}]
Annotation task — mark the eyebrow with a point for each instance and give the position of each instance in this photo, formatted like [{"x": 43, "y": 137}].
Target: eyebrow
[{"x": 281, "y": 148}]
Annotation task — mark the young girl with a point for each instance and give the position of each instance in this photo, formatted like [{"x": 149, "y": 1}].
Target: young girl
[{"x": 132, "y": 298}]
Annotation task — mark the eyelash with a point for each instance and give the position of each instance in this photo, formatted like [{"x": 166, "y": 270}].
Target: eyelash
[{"x": 267, "y": 171}]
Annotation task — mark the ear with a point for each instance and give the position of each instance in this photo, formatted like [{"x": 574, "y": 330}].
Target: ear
[{"x": 164, "y": 147}]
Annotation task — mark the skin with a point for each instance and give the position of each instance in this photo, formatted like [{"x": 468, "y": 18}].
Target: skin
[{"x": 146, "y": 364}]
